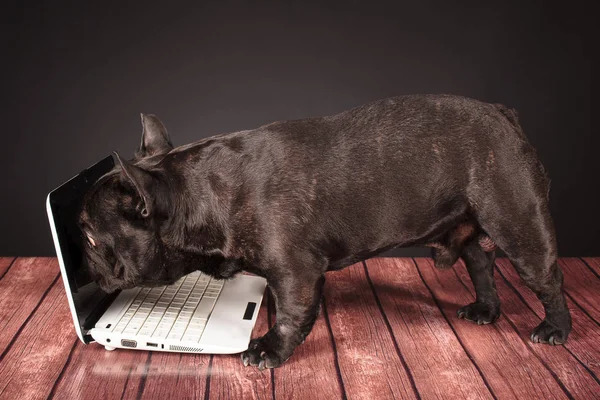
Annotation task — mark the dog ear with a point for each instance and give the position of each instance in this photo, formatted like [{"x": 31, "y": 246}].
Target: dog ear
[
  {"x": 141, "y": 180},
  {"x": 155, "y": 138}
]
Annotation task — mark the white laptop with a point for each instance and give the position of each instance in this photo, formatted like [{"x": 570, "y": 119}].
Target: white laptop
[{"x": 196, "y": 314}]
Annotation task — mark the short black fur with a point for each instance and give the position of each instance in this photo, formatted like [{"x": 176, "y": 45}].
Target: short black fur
[{"x": 292, "y": 200}]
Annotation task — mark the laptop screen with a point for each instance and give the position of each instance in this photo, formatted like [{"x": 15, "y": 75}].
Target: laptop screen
[{"x": 88, "y": 299}]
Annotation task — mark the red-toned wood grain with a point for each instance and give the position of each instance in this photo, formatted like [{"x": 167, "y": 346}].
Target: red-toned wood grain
[
  {"x": 5, "y": 263},
  {"x": 582, "y": 285},
  {"x": 38, "y": 355},
  {"x": 593, "y": 264},
  {"x": 439, "y": 364},
  {"x": 170, "y": 375},
  {"x": 446, "y": 357},
  {"x": 311, "y": 372},
  {"x": 492, "y": 347},
  {"x": 94, "y": 373},
  {"x": 369, "y": 364},
  {"x": 231, "y": 380},
  {"x": 21, "y": 290},
  {"x": 581, "y": 347}
]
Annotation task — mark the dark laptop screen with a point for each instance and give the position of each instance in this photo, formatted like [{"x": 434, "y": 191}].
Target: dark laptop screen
[{"x": 89, "y": 300}]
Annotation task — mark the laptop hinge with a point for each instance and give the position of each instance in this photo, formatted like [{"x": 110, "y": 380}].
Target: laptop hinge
[{"x": 87, "y": 338}]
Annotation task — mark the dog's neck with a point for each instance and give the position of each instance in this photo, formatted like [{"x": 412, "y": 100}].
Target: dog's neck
[
  {"x": 194, "y": 223},
  {"x": 202, "y": 183}
]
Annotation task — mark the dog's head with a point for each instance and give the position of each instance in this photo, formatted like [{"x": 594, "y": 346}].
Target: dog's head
[{"x": 121, "y": 215}]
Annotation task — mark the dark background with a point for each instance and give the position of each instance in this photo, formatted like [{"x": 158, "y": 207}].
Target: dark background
[{"x": 75, "y": 78}]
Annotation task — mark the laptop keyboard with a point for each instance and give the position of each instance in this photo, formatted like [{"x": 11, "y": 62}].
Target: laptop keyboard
[{"x": 178, "y": 311}]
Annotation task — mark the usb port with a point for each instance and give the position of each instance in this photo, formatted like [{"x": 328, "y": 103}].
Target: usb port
[{"x": 151, "y": 344}]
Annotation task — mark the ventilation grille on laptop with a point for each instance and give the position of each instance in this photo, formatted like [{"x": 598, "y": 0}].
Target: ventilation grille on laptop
[{"x": 184, "y": 348}]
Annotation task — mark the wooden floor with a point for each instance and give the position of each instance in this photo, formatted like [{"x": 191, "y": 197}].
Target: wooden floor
[{"x": 388, "y": 330}]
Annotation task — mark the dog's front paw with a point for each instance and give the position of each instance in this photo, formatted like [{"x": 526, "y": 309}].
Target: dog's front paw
[
  {"x": 481, "y": 313},
  {"x": 261, "y": 354},
  {"x": 547, "y": 333}
]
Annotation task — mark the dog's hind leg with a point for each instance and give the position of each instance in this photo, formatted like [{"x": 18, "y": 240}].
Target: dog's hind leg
[
  {"x": 480, "y": 265},
  {"x": 539, "y": 269},
  {"x": 524, "y": 230}
]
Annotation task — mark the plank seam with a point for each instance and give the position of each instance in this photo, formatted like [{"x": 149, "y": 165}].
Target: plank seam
[
  {"x": 125, "y": 385},
  {"x": 9, "y": 267},
  {"x": 527, "y": 343},
  {"x": 16, "y": 335},
  {"x": 576, "y": 303},
  {"x": 580, "y": 307},
  {"x": 144, "y": 377},
  {"x": 589, "y": 267},
  {"x": 208, "y": 374},
  {"x": 437, "y": 303},
  {"x": 62, "y": 371},
  {"x": 335, "y": 353},
  {"x": 269, "y": 309},
  {"x": 391, "y": 333}
]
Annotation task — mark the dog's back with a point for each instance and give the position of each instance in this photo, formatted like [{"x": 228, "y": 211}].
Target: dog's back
[{"x": 431, "y": 154}]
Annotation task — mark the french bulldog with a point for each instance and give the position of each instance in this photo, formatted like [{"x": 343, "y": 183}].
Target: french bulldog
[{"x": 292, "y": 200}]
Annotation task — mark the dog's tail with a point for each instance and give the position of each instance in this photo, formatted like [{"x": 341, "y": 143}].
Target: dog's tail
[{"x": 512, "y": 116}]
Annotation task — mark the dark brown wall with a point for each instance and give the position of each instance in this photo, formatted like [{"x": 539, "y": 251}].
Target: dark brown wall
[{"x": 76, "y": 77}]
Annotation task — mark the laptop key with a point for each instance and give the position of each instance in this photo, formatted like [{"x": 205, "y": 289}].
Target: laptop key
[
  {"x": 145, "y": 332},
  {"x": 193, "y": 339},
  {"x": 160, "y": 333},
  {"x": 175, "y": 336}
]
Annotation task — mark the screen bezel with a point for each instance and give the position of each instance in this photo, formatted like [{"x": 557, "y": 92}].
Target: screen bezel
[{"x": 62, "y": 205}]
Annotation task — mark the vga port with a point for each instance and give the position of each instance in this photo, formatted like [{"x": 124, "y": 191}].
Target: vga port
[{"x": 128, "y": 343}]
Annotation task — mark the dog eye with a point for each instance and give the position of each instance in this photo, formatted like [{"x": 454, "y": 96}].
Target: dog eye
[{"x": 91, "y": 240}]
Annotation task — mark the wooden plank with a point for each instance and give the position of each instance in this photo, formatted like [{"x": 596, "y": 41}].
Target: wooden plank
[
  {"x": 576, "y": 363},
  {"x": 37, "y": 357},
  {"x": 311, "y": 372},
  {"x": 496, "y": 346},
  {"x": 593, "y": 263},
  {"x": 437, "y": 360},
  {"x": 5, "y": 264},
  {"x": 174, "y": 375},
  {"x": 21, "y": 291},
  {"x": 59, "y": 366},
  {"x": 94, "y": 373},
  {"x": 370, "y": 366},
  {"x": 231, "y": 380},
  {"x": 582, "y": 285}
]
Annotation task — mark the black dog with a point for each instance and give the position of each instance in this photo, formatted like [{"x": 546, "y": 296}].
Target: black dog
[{"x": 292, "y": 200}]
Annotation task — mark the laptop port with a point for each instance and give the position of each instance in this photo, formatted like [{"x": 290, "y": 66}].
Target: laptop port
[
  {"x": 128, "y": 343},
  {"x": 151, "y": 344}
]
